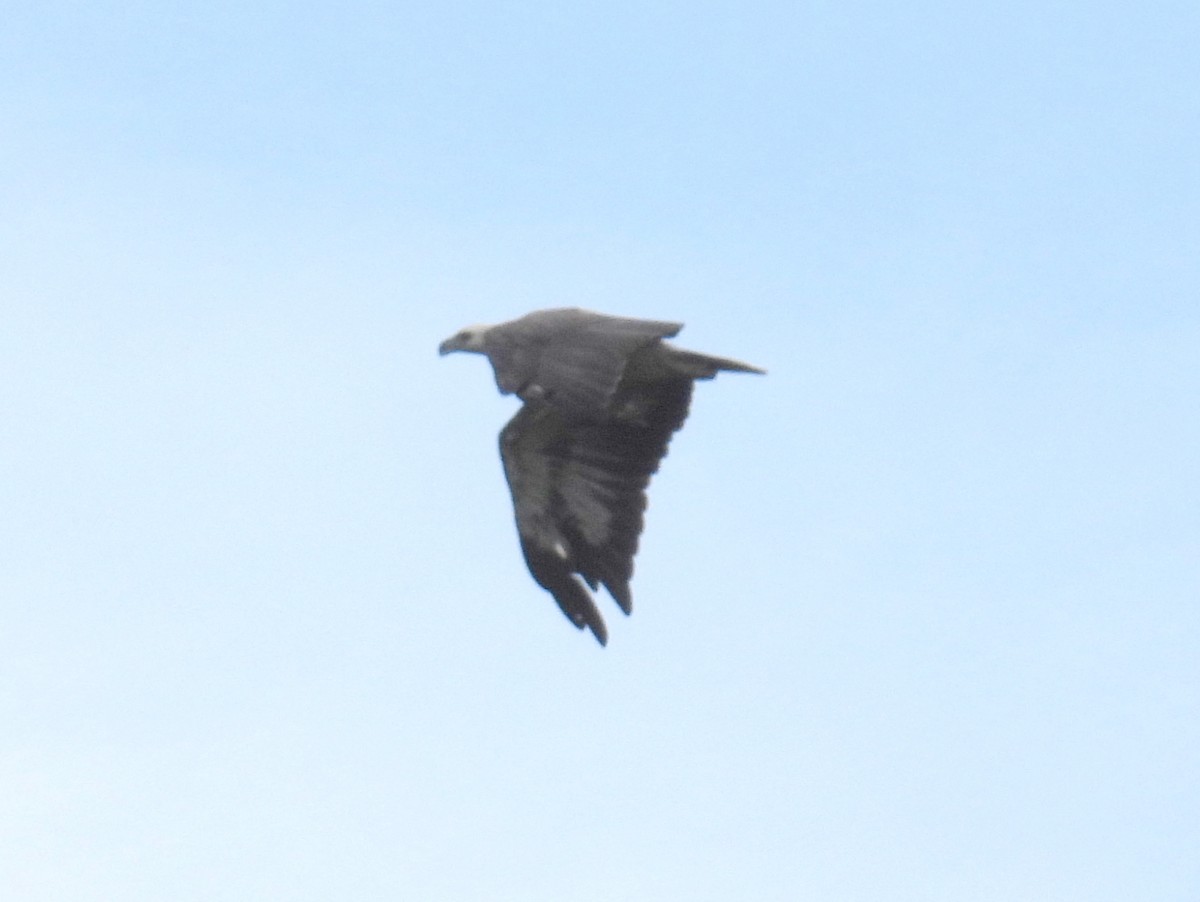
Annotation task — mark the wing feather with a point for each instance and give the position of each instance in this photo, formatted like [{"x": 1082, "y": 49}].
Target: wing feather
[
  {"x": 571, "y": 358},
  {"x": 579, "y": 494}
]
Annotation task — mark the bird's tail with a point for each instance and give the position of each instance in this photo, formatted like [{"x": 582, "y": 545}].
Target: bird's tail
[{"x": 703, "y": 366}]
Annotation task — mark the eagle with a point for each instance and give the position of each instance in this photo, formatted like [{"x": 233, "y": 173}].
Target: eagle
[{"x": 602, "y": 397}]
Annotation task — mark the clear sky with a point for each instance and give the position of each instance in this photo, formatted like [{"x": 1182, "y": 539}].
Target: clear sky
[{"x": 915, "y": 616}]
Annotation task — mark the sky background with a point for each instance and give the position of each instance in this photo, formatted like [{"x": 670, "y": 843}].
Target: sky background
[{"x": 915, "y": 616}]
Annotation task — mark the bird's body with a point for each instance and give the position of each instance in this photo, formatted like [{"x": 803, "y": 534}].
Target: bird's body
[{"x": 602, "y": 397}]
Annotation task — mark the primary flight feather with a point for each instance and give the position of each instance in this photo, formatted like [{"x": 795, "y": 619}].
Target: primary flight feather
[{"x": 602, "y": 397}]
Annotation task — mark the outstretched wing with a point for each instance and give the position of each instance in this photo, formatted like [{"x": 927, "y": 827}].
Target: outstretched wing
[
  {"x": 579, "y": 492},
  {"x": 571, "y": 358}
]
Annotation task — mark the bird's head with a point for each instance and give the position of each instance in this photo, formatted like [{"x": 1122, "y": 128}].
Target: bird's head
[{"x": 468, "y": 339}]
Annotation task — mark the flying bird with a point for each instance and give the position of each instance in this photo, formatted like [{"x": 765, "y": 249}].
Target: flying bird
[{"x": 602, "y": 397}]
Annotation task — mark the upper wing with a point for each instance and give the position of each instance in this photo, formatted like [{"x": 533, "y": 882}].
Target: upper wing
[
  {"x": 571, "y": 358},
  {"x": 579, "y": 492}
]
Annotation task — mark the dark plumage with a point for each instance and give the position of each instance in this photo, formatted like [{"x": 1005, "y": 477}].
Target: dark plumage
[{"x": 603, "y": 396}]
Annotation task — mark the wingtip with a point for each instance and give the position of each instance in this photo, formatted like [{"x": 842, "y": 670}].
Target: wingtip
[
  {"x": 622, "y": 596},
  {"x": 595, "y": 626}
]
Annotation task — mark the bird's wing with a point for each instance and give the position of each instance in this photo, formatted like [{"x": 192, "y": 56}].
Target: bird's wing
[
  {"x": 573, "y": 359},
  {"x": 579, "y": 492}
]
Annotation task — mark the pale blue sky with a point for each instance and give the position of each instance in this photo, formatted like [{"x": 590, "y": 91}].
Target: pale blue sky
[{"x": 915, "y": 617}]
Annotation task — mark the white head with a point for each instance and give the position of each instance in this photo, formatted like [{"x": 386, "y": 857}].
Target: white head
[{"x": 468, "y": 339}]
